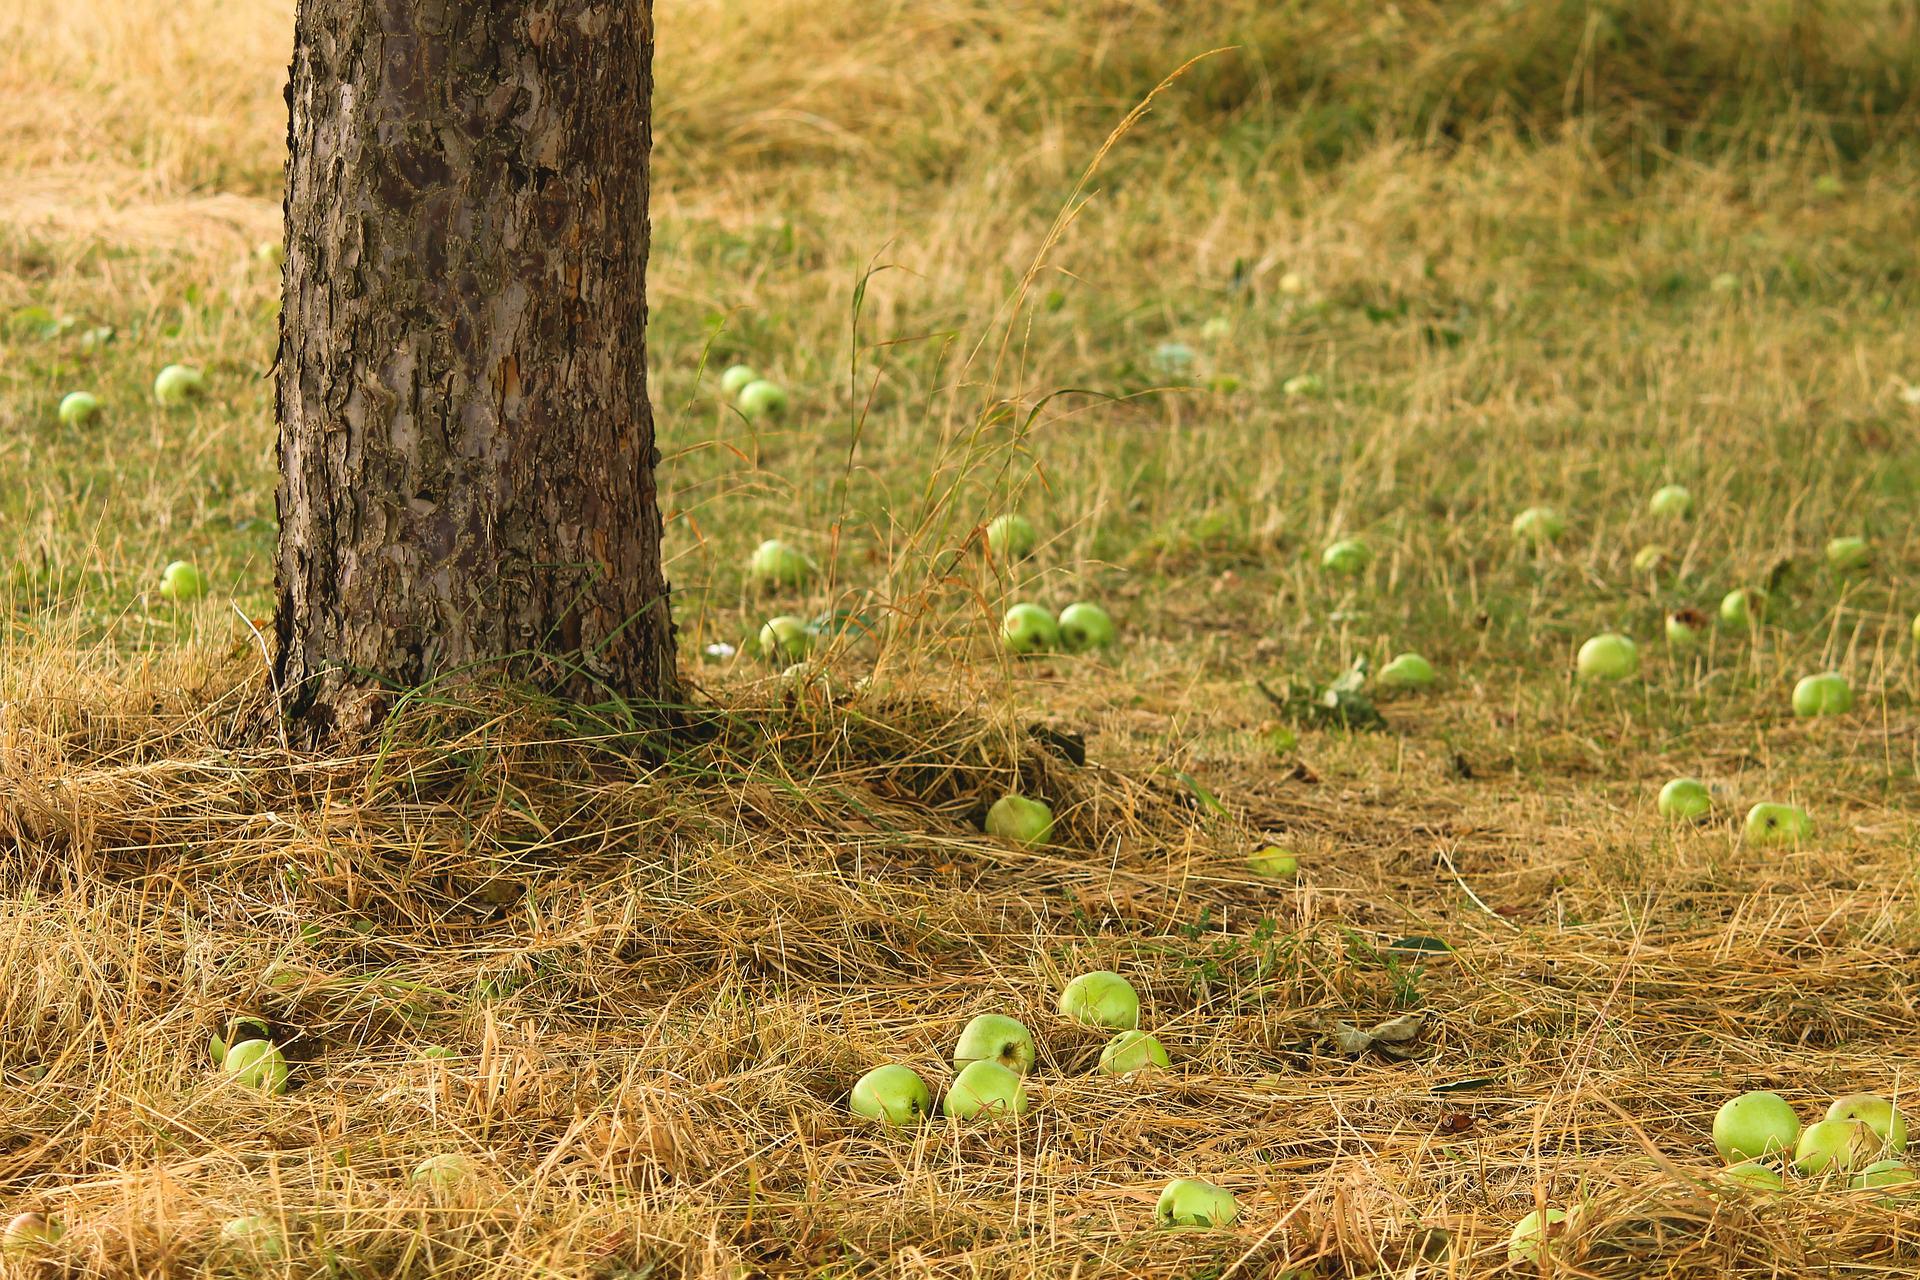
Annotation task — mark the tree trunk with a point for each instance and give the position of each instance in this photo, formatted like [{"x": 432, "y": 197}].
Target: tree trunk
[{"x": 466, "y": 447}]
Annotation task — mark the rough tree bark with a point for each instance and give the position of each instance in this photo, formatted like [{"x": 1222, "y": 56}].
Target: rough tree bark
[{"x": 466, "y": 447}]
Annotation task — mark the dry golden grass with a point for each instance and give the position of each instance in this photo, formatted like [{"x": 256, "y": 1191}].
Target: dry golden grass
[{"x": 658, "y": 965}]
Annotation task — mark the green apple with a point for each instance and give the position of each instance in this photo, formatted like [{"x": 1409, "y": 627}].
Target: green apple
[
  {"x": 1881, "y": 1173},
  {"x": 1771, "y": 824},
  {"x": 30, "y": 1233},
  {"x": 1021, "y": 820},
  {"x": 256, "y": 1065},
  {"x": 1607, "y": 657},
  {"x": 1849, "y": 555},
  {"x": 1743, "y": 607},
  {"x": 1685, "y": 800},
  {"x": 176, "y": 384},
  {"x": 1191, "y": 1202},
  {"x": 182, "y": 582},
  {"x": 1303, "y": 384},
  {"x": 1878, "y": 1114},
  {"x": 738, "y": 378},
  {"x": 1348, "y": 556},
  {"x": 442, "y": 1172},
  {"x": 1173, "y": 358},
  {"x": 237, "y": 1030},
  {"x": 1753, "y": 1126},
  {"x": 1671, "y": 502},
  {"x": 437, "y": 1053},
  {"x": 1101, "y": 999},
  {"x": 1132, "y": 1051},
  {"x": 79, "y": 407},
  {"x": 893, "y": 1093},
  {"x": 1539, "y": 524},
  {"x": 985, "y": 1089},
  {"x": 257, "y": 1234},
  {"x": 995, "y": 1038},
  {"x": 1835, "y": 1146},
  {"x": 761, "y": 399},
  {"x": 779, "y": 564},
  {"x": 1407, "y": 671},
  {"x": 1029, "y": 629},
  {"x": 785, "y": 638},
  {"x": 1652, "y": 558},
  {"x": 1011, "y": 537},
  {"x": 1827, "y": 694},
  {"x": 1276, "y": 864},
  {"x": 1753, "y": 1177},
  {"x": 1687, "y": 629},
  {"x": 1531, "y": 1234},
  {"x": 1085, "y": 627}
]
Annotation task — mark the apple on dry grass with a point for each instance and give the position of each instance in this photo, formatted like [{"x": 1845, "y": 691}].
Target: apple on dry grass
[
  {"x": 1022, "y": 820},
  {"x": 1101, "y": 999},
  {"x": 1607, "y": 657},
  {"x": 1532, "y": 1234},
  {"x": 986, "y": 1090},
  {"x": 1755, "y": 1125},
  {"x": 1194, "y": 1202},
  {"x": 996, "y": 1038},
  {"x": 1770, "y": 825},
  {"x": 1685, "y": 800},
  {"x": 893, "y": 1093},
  {"x": 1131, "y": 1051}
]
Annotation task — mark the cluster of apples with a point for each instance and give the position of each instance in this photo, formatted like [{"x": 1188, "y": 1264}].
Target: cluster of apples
[
  {"x": 774, "y": 563},
  {"x": 1029, "y": 628},
  {"x": 1862, "y": 1138},
  {"x": 1769, "y": 823},
  {"x": 754, "y": 396},
  {"x": 173, "y": 386},
  {"x": 995, "y": 1053}
]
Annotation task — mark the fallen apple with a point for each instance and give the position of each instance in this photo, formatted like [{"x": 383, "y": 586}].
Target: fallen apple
[
  {"x": 1770, "y": 825},
  {"x": 1878, "y": 1114},
  {"x": 1132, "y": 1051},
  {"x": 1192, "y": 1202},
  {"x": 1881, "y": 1173},
  {"x": 1743, "y": 607},
  {"x": 985, "y": 1089},
  {"x": 1670, "y": 502},
  {"x": 785, "y": 639},
  {"x": 442, "y": 1172},
  {"x": 1835, "y": 1146},
  {"x": 1533, "y": 1233},
  {"x": 1021, "y": 820},
  {"x": 30, "y": 1233},
  {"x": 1607, "y": 657},
  {"x": 1754, "y": 1177},
  {"x": 1292, "y": 283},
  {"x": 1011, "y": 537},
  {"x": 1303, "y": 384},
  {"x": 1173, "y": 358},
  {"x": 1685, "y": 800},
  {"x": 78, "y": 407},
  {"x": 1276, "y": 864},
  {"x": 1407, "y": 671},
  {"x": 237, "y": 1030},
  {"x": 1101, "y": 999},
  {"x": 738, "y": 378},
  {"x": 1085, "y": 627},
  {"x": 893, "y": 1093},
  {"x": 995, "y": 1038},
  {"x": 1827, "y": 694},
  {"x": 1687, "y": 629},
  {"x": 1652, "y": 558},
  {"x": 1348, "y": 556},
  {"x": 1753, "y": 1126},
  {"x": 761, "y": 399},
  {"x": 181, "y": 582},
  {"x": 257, "y": 1234},
  {"x": 1539, "y": 524},
  {"x": 1849, "y": 555},
  {"x": 176, "y": 384},
  {"x": 1029, "y": 629},
  {"x": 256, "y": 1065},
  {"x": 779, "y": 564}
]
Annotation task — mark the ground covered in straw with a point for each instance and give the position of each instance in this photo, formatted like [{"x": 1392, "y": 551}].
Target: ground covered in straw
[{"x": 1529, "y": 255}]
